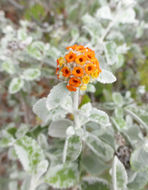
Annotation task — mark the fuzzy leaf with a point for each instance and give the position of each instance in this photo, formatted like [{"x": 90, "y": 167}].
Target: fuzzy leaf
[
  {"x": 94, "y": 183},
  {"x": 40, "y": 109},
  {"x": 106, "y": 77},
  {"x": 74, "y": 148},
  {"x": 104, "y": 13},
  {"x": 119, "y": 175},
  {"x": 118, "y": 99},
  {"x": 139, "y": 161},
  {"x": 29, "y": 153},
  {"x": 8, "y": 66},
  {"x": 101, "y": 149},
  {"x": 110, "y": 52},
  {"x": 57, "y": 96},
  {"x": 63, "y": 176},
  {"x": 15, "y": 85},
  {"x": 99, "y": 116},
  {"x": 31, "y": 74},
  {"x": 58, "y": 128}
]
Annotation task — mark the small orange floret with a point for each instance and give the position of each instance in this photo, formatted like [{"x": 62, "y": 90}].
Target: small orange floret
[
  {"x": 90, "y": 55},
  {"x": 65, "y": 71},
  {"x": 89, "y": 68},
  {"x": 80, "y": 48},
  {"x": 72, "y": 47},
  {"x": 77, "y": 72},
  {"x": 75, "y": 82},
  {"x": 70, "y": 57},
  {"x": 86, "y": 79},
  {"x": 81, "y": 59},
  {"x": 71, "y": 88}
]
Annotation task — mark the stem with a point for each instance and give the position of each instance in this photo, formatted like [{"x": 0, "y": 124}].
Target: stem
[
  {"x": 75, "y": 109},
  {"x": 114, "y": 182}
]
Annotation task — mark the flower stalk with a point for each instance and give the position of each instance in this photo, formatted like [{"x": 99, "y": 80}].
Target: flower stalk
[{"x": 75, "y": 109}]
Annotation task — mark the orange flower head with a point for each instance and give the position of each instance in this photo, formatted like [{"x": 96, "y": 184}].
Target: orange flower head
[
  {"x": 81, "y": 59},
  {"x": 89, "y": 68},
  {"x": 65, "y": 71},
  {"x": 78, "y": 67},
  {"x": 74, "y": 81},
  {"x": 77, "y": 72},
  {"x": 70, "y": 57}
]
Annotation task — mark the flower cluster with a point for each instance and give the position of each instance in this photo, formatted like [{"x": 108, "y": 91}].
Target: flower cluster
[{"x": 78, "y": 67}]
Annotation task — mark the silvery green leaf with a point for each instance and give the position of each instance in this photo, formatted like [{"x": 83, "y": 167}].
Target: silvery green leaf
[
  {"x": 57, "y": 96},
  {"x": 139, "y": 161},
  {"x": 42, "y": 139},
  {"x": 122, "y": 49},
  {"x": 31, "y": 74},
  {"x": 119, "y": 112},
  {"x": 86, "y": 109},
  {"x": 29, "y": 153},
  {"x": 110, "y": 48},
  {"x": 36, "y": 50},
  {"x": 26, "y": 183},
  {"x": 139, "y": 180},
  {"x": 118, "y": 99},
  {"x": 22, "y": 130},
  {"x": 58, "y": 128},
  {"x": 91, "y": 88},
  {"x": 22, "y": 34},
  {"x": 101, "y": 149},
  {"x": 40, "y": 109},
  {"x": 104, "y": 13},
  {"x": 42, "y": 168},
  {"x": 94, "y": 183},
  {"x": 106, "y": 77},
  {"x": 16, "y": 85},
  {"x": 126, "y": 16},
  {"x": 119, "y": 123},
  {"x": 92, "y": 164},
  {"x": 99, "y": 116},
  {"x": 63, "y": 175},
  {"x": 67, "y": 104},
  {"x": 119, "y": 175},
  {"x": 8, "y": 66},
  {"x": 73, "y": 149},
  {"x": 7, "y": 141}
]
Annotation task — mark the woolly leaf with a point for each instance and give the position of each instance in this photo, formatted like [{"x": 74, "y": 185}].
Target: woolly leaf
[
  {"x": 15, "y": 85},
  {"x": 57, "y": 96},
  {"x": 99, "y": 116},
  {"x": 73, "y": 149},
  {"x": 8, "y": 66},
  {"x": 29, "y": 153},
  {"x": 101, "y": 149},
  {"x": 94, "y": 183},
  {"x": 41, "y": 110},
  {"x": 139, "y": 161},
  {"x": 31, "y": 74},
  {"x": 110, "y": 52},
  {"x": 58, "y": 128},
  {"x": 118, "y": 99},
  {"x": 63, "y": 176},
  {"x": 119, "y": 175},
  {"x": 106, "y": 77}
]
